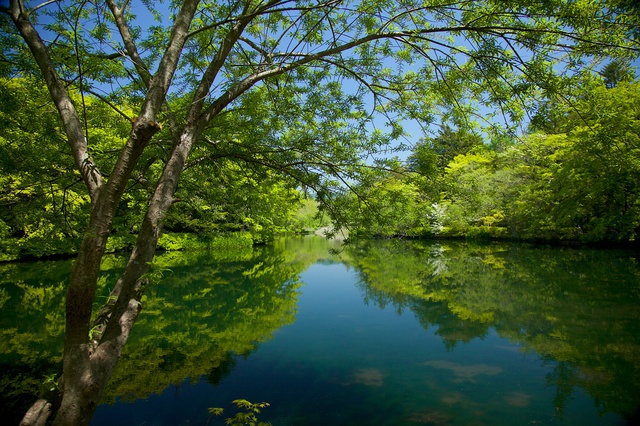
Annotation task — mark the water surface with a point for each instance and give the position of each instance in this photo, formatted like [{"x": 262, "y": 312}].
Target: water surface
[{"x": 376, "y": 333}]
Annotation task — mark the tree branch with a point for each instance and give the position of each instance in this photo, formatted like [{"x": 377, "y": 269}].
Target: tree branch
[
  {"x": 130, "y": 46},
  {"x": 70, "y": 117}
]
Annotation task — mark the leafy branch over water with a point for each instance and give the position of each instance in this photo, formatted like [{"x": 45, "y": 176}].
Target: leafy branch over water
[{"x": 247, "y": 417}]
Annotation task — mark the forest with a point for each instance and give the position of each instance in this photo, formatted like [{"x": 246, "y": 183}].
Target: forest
[
  {"x": 45, "y": 207},
  {"x": 573, "y": 176}
]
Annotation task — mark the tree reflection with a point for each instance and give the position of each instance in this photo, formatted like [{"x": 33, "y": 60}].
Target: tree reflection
[
  {"x": 578, "y": 308},
  {"x": 201, "y": 310},
  {"x": 203, "y": 313}
]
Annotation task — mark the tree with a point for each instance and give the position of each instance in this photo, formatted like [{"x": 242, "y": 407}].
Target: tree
[
  {"x": 446, "y": 146},
  {"x": 431, "y": 156},
  {"x": 384, "y": 206},
  {"x": 597, "y": 192},
  {"x": 616, "y": 72},
  {"x": 287, "y": 62},
  {"x": 43, "y": 203},
  {"x": 475, "y": 194}
]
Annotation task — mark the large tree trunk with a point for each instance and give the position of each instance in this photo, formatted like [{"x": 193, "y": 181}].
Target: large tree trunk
[
  {"x": 86, "y": 366},
  {"x": 83, "y": 379},
  {"x": 89, "y": 365}
]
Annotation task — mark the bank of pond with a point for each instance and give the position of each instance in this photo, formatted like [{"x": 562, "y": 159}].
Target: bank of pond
[{"x": 379, "y": 332}]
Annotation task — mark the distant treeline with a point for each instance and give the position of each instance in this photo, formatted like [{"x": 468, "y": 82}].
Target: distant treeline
[{"x": 575, "y": 176}]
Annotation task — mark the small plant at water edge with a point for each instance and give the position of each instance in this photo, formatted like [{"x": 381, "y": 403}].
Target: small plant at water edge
[
  {"x": 51, "y": 382},
  {"x": 246, "y": 417}
]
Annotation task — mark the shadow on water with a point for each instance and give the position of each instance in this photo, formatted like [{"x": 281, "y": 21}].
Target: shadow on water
[{"x": 379, "y": 332}]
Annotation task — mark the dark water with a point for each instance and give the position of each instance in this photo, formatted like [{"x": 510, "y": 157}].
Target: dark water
[{"x": 376, "y": 333}]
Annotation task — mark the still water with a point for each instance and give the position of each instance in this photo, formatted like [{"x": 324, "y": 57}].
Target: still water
[{"x": 375, "y": 333}]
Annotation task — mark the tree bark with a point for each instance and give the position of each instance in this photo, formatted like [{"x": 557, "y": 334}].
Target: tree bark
[
  {"x": 71, "y": 120},
  {"x": 86, "y": 370},
  {"x": 37, "y": 414},
  {"x": 88, "y": 365}
]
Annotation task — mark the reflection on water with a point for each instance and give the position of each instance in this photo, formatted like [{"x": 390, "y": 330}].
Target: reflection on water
[
  {"x": 367, "y": 377},
  {"x": 380, "y": 333},
  {"x": 464, "y": 373}
]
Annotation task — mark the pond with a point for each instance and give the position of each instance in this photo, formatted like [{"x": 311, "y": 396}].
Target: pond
[{"x": 371, "y": 333}]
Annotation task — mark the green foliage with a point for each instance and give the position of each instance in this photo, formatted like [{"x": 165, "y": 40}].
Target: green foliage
[
  {"x": 309, "y": 218},
  {"x": 246, "y": 417},
  {"x": 254, "y": 102},
  {"x": 615, "y": 72},
  {"x": 602, "y": 169},
  {"x": 583, "y": 184},
  {"x": 222, "y": 196},
  {"x": 44, "y": 208},
  {"x": 384, "y": 205},
  {"x": 448, "y": 144},
  {"x": 52, "y": 382},
  {"x": 580, "y": 181},
  {"x": 293, "y": 123}
]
